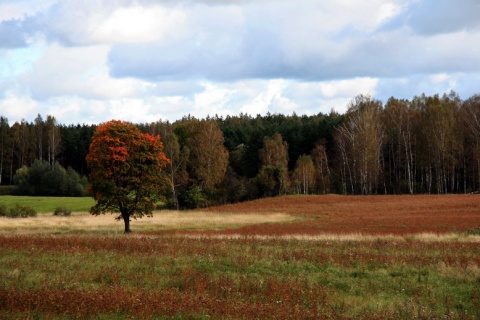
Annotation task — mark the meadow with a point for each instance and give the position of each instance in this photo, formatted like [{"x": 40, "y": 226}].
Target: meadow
[
  {"x": 293, "y": 257},
  {"x": 48, "y": 204}
]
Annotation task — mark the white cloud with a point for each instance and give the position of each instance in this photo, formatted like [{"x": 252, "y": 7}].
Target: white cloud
[
  {"x": 439, "y": 78},
  {"x": 262, "y": 102},
  {"x": 16, "y": 106},
  {"x": 350, "y": 87},
  {"x": 387, "y": 11},
  {"x": 77, "y": 71},
  {"x": 212, "y": 100},
  {"x": 139, "y": 24}
]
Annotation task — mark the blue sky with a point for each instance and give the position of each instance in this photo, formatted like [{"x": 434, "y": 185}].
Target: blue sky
[{"x": 92, "y": 61}]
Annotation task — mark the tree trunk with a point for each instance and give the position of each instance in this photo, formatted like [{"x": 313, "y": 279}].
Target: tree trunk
[{"x": 126, "y": 219}]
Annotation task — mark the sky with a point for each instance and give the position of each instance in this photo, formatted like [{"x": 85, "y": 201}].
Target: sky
[{"x": 87, "y": 62}]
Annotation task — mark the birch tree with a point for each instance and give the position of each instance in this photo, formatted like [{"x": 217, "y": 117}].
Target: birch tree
[
  {"x": 304, "y": 175},
  {"x": 402, "y": 119},
  {"x": 322, "y": 169},
  {"x": 471, "y": 120},
  {"x": 54, "y": 139},
  {"x": 360, "y": 140},
  {"x": 439, "y": 142}
]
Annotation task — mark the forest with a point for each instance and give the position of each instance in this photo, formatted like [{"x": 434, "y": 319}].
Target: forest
[{"x": 429, "y": 144}]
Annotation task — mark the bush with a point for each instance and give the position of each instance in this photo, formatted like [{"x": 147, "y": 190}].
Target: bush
[
  {"x": 42, "y": 179},
  {"x": 193, "y": 198},
  {"x": 3, "y": 210},
  {"x": 8, "y": 190},
  {"x": 474, "y": 232},
  {"x": 62, "y": 211},
  {"x": 19, "y": 211}
]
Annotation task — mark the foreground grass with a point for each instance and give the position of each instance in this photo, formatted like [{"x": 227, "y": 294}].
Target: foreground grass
[
  {"x": 49, "y": 204},
  {"x": 331, "y": 257},
  {"x": 48, "y": 277}
]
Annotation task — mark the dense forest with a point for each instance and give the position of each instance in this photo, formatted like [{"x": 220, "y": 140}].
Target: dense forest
[{"x": 429, "y": 144}]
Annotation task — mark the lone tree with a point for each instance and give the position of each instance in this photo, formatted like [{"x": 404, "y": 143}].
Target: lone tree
[{"x": 126, "y": 170}]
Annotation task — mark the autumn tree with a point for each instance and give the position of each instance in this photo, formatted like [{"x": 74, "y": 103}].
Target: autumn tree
[
  {"x": 176, "y": 169},
  {"x": 274, "y": 165},
  {"x": 126, "y": 170},
  {"x": 304, "y": 175},
  {"x": 208, "y": 156}
]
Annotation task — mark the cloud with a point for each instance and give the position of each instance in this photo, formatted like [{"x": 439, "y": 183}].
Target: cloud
[
  {"x": 263, "y": 42},
  {"x": 76, "y": 71},
  {"x": 142, "y": 60},
  {"x": 10, "y": 106},
  {"x": 430, "y": 17},
  {"x": 138, "y": 24},
  {"x": 230, "y": 41},
  {"x": 11, "y": 34},
  {"x": 15, "y": 9}
]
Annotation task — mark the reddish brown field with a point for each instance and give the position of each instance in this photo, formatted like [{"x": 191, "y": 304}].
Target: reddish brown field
[
  {"x": 370, "y": 215},
  {"x": 218, "y": 273}
]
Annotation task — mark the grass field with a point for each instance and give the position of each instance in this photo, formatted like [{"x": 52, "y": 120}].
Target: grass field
[
  {"x": 314, "y": 257},
  {"x": 49, "y": 204}
]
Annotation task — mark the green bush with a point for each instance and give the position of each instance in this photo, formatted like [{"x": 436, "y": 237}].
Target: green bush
[
  {"x": 62, "y": 211},
  {"x": 3, "y": 210},
  {"x": 19, "y": 211},
  {"x": 42, "y": 179},
  {"x": 193, "y": 198},
  {"x": 474, "y": 232},
  {"x": 8, "y": 190}
]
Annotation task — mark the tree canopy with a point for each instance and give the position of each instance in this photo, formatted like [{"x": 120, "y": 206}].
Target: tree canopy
[
  {"x": 428, "y": 144},
  {"x": 126, "y": 170}
]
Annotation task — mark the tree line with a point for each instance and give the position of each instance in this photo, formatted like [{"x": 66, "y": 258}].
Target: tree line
[{"x": 429, "y": 144}]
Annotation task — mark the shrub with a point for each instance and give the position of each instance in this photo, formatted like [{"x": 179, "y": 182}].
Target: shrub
[
  {"x": 62, "y": 211},
  {"x": 8, "y": 190},
  {"x": 3, "y": 210},
  {"x": 21, "y": 211},
  {"x": 193, "y": 198},
  {"x": 474, "y": 232},
  {"x": 42, "y": 179}
]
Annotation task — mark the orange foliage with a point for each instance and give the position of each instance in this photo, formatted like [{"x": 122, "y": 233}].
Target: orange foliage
[{"x": 126, "y": 169}]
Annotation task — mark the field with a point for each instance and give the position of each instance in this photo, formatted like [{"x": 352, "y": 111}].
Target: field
[
  {"x": 293, "y": 257},
  {"x": 49, "y": 204}
]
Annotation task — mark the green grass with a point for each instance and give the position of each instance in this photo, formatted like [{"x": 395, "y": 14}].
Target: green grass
[{"x": 49, "y": 204}]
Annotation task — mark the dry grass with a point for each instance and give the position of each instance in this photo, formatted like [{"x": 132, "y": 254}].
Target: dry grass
[
  {"x": 164, "y": 220},
  {"x": 353, "y": 237}
]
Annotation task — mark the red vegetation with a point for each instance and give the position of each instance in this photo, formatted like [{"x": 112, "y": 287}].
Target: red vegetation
[
  {"x": 375, "y": 215},
  {"x": 145, "y": 304},
  {"x": 126, "y": 170}
]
